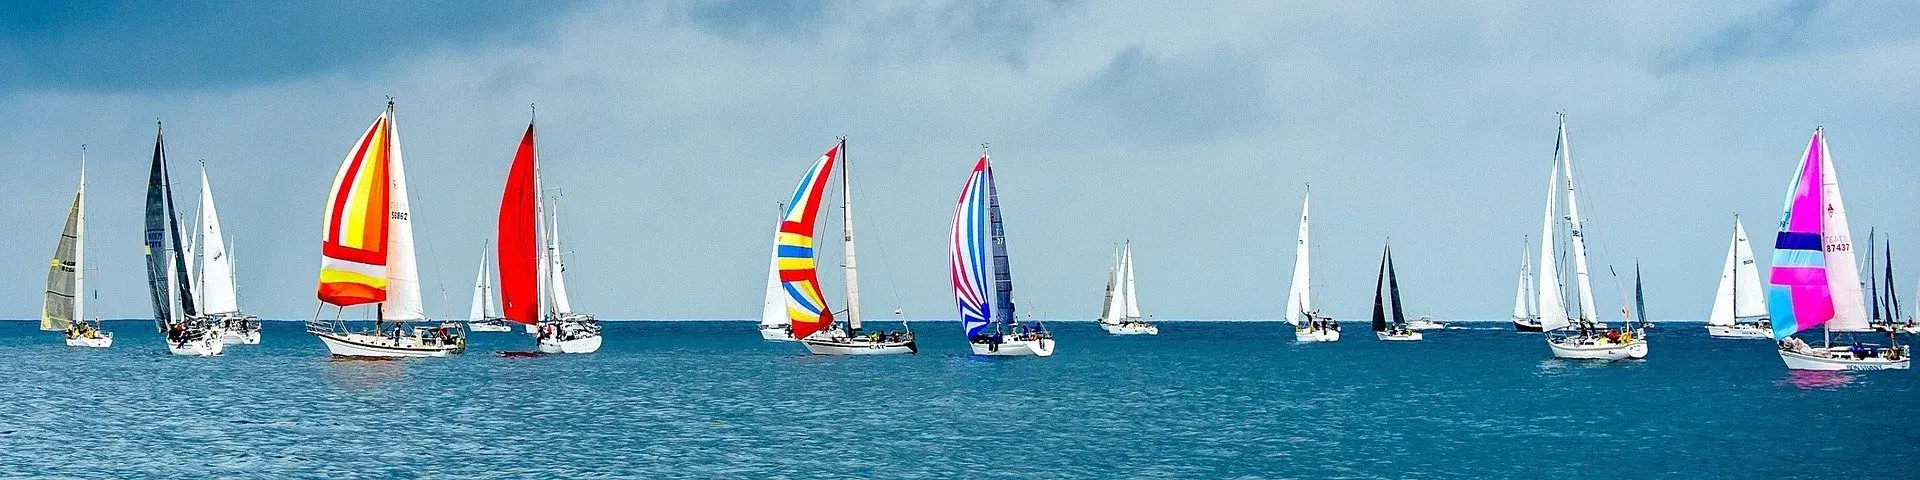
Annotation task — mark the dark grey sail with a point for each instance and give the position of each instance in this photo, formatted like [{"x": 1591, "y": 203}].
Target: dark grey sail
[
  {"x": 1002, "y": 279},
  {"x": 1393, "y": 292},
  {"x": 1379, "y": 308},
  {"x": 156, "y": 235}
]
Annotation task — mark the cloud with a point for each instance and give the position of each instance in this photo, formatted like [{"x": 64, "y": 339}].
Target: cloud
[{"x": 1183, "y": 98}]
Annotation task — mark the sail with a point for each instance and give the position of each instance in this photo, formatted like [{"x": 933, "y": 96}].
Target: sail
[
  {"x": 773, "y": 309},
  {"x": 849, "y": 267},
  {"x": 1577, "y": 246},
  {"x": 1639, "y": 296},
  {"x": 1520, "y": 293},
  {"x": 1112, "y": 308},
  {"x": 216, "y": 267},
  {"x": 156, "y": 235},
  {"x": 1893, "y": 298},
  {"x": 967, "y": 252},
  {"x": 556, "y": 266},
  {"x": 482, "y": 307},
  {"x": 519, "y": 238},
  {"x": 1393, "y": 292},
  {"x": 806, "y": 306},
  {"x": 1740, "y": 292},
  {"x": 1133, "y": 297},
  {"x": 1803, "y": 292},
  {"x": 64, "y": 282},
  {"x": 404, "y": 301},
  {"x": 1379, "y": 289},
  {"x": 1553, "y": 308},
  {"x": 355, "y": 246},
  {"x": 1298, "y": 299},
  {"x": 1002, "y": 271}
]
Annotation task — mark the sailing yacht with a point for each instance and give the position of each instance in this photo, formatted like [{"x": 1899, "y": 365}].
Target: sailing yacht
[
  {"x": 1741, "y": 295},
  {"x": 218, "y": 292},
  {"x": 1308, "y": 324},
  {"x": 977, "y": 244},
  {"x": 1582, "y": 336},
  {"x": 1814, "y": 283},
  {"x": 367, "y": 257},
  {"x": 533, "y": 287},
  {"x": 774, "y": 325},
  {"x": 1120, "y": 314},
  {"x": 175, "y": 313},
  {"x": 484, "y": 315},
  {"x": 65, "y": 307},
  {"x": 1394, "y": 330},
  {"x": 1886, "y": 302},
  {"x": 1526, "y": 310},
  {"x": 805, "y": 305}
]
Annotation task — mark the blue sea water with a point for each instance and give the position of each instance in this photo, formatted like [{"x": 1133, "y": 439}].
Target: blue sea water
[{"x": 712, "y": 400}]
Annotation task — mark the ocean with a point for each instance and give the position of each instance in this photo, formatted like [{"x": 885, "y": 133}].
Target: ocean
[{"x": 712, "y": 400}]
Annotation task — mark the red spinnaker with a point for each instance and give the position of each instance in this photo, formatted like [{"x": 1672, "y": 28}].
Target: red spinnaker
[{"x": 519, "y": 240}]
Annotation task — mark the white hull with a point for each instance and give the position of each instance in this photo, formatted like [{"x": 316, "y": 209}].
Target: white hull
[
  {"x": 1838, "y": 358},
  {"x": 103, "y": 341},
  {"x": 1315, "y": 335},
  {"x": 1424, "y": 325},
  {"x": 1131, "y": 328},
  {"x": 842, "y": 346},
  {"x": 1015, "y": 348},
  {"x": 204, "y": 347},
  {"x": 777, "y": 333},
  {"x": 1898, "y": 328},
  {"x": 382, "y": 346},
  {"x": 237, "y": 337},
  {"x": 1740, "y": 330},
  {"x": 1597, "y": 350},
  {"x": 489, "y": 327},
  {"x": 587, "y": 344},
  {"x": 1405, "y": 337}
]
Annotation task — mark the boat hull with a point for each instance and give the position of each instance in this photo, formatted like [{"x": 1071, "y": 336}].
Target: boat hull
[
  {"x": 1315, "y": 335},
  {"x": 1747, "y": 331},
  {"x": 776, "y": 332},
  {"x": 1525, "y": 326},
  {"x": 489, "y": 327},
  {"x": 842, "y": 346},
  {"x": 587, "y": 344},
  {"x": 1837, "y": 358},
  {"x": 104, "y": 340},
  {"x": 240, "y": 337},
  {"x": 1015, "y": 348},
  {"x": 365, "y": 345},
  {"x": 207, "y": 346},
  {"x": 1131, "y": 328},
  {"x": 1897, "y": 328},
  {"x": 1424, "y": 325},
  {"x": 1565, "y": 348},
  {"x": 1405, "y": 337}
]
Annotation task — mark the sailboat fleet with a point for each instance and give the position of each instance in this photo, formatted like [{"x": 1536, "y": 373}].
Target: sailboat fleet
[{"x": 368, "y": 260}]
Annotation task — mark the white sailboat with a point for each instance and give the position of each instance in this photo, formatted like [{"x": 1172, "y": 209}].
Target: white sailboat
[
  {"x": 1526, "y": 313},
  {"x": 1741, "y": 296},
  {"x": 367, "y": 257},
  {"x": 65, "y": 307},
  {"x": 1585, "y": 336},
  {"x": 774, "y": 325},
  {"x": 484, "y": 314},
  {"x": 1308, "y": 324},
  {"x": 1814, "y": 281},
  {"x": 797, "y": 227},
  {"x": 533, "y": 282},
  {"x": 1120, "y": 314},
  {"x": 218, "y": 291}
]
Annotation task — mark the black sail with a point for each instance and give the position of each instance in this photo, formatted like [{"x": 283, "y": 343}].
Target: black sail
[
  {"x": 1393, "y": 291},
  {"x": 156, "y": 240},
  {"x": 1379, "y": 309},
  {"x": 1002, "y": 278}
]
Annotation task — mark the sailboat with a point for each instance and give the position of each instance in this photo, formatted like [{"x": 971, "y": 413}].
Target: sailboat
[
  {"x": 1886, "y": 301},
  {"x": 1308, "y": 324},
  {"x": 1526, "y": 312},
  {"x": 774, "y": 324},
  {"x": 484, "y": 315},
  {"x": 1813, "y": 282},
  {"x": 1392, "y": 328},
  {"x": 533, "y": 285},
  {"x": 1120, "y": 314},
  {"x": 1584, "y": 336},
  {"x": 174, "y": 311},
  {"x": 1740, "y": 296},
  {"x": 218, "y": 293},
  {"x": 978, "y": 244},
  {"x": 367, "y": 257},
  {"x": 65, "y": 307},
  {"x": 805, "y": 304}
]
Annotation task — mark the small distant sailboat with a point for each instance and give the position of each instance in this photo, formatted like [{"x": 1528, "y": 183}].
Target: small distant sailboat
[
  {"x": 774, "y": 324},
  {"x": 1741, "y": 295},
  {"x": 484, "y": 315},
  {"x": 1121, "y": 312},
  {"x": 219, "y": 291},
  {"x": 1886, "y": 302},
  {"x": 174, "y": 310},
  {"x": 1526, "y": 310},
  {"x": 1392, "y": 328},
  {"x": 65, "y": 307},
  {"x": 1813, "y": 282},
  {"x": 1308, "y": 324},
  {"x": 805, "y": 304},
  {"x": 1588, "y": 338},
  {"x": 533, "y": 284},
  {"x": 367, "y": 257},
  {"x": 977, "y": 244}
]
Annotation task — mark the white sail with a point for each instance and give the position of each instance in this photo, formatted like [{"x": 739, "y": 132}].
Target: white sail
[
  {"x": 557, "y": 268},
  {"x": 773, "y": 310},
  {"x": 1843, "y": 276},
  {"x": 849, "y": 267},
  {"x": 66, "y": 275},
  {"x": 1520, "y": 294},
  {"x": 1722, "y": 313},
  {"x": 403, "y": 274},
  {"x": 1553, "y": 308},
  {"x": 1741, "y": 295},
  {"x": 1133, "y": 297},
  {"x": 217, "y": 291},
  {"x": 1298, "y": 300},
  {"x": 1578, "y": 246},
  {"x": 482, "y": 307},
  {"x": 1113, "y": 307}
]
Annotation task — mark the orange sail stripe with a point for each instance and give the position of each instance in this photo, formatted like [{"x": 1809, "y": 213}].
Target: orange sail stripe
[{"x": 354, "y": 247}]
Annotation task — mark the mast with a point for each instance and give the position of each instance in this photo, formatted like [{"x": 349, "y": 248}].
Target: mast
[
  {"x": 80, "y": 244},
  {"x": 1002, "y": 278},
  {"x": 545, "y": 266},
  {"x": 1873, "y": 281},
  {"x": 1588, "y": 313},
  {"x": 848, "y": 266}
]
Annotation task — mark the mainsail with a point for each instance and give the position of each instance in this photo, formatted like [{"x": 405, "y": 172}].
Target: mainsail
[
  {"x": 1112, "y": 308},
  {"x": 66, "y": 275},
  {"x": 1298, "y": 300},
  {"x": 1813, "y": 281},
  {"x": 967, "y": 251},
  {"x": 1523, "y": 306},
  {"x": 1379, "y": 298},
  {"x": 1739, "y": 295},
  {"x": 1133, "y": 298},
  {"x": 483, "y": 307},
  {"x": 356, "y": 246},
  {"x": 806, "y": 306},
  {"x": 1002, "y": 272},
  {"x": 1553, "y": 307},
  {"x": 217, "y": 288},
  {"x": 773, "y": 307},
  {"x": 519, "y": 242},
  {"x": 163, "y": 242}
]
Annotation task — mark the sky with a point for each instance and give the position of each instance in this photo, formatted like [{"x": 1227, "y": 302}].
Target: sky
[{"x": 673, "y": 129}]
